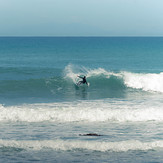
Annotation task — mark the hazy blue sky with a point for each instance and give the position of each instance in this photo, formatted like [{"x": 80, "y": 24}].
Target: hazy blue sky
[{"x": 81, "y": 17}]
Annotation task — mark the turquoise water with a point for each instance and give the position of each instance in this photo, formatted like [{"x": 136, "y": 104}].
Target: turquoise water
[{"x": 43, "y": 114}]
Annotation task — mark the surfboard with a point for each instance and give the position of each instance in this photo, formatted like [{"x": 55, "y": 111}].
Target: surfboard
[{"x": 77, "y": 80}]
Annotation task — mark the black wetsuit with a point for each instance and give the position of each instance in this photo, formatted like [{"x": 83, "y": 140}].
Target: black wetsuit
[{"x": 84, "y": 80}]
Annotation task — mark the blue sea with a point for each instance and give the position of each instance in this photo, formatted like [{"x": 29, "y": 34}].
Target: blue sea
[{"x": 46, "y": 117}]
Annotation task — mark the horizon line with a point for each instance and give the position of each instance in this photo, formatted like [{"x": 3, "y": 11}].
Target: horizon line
[{"x": 78, "y": 36}]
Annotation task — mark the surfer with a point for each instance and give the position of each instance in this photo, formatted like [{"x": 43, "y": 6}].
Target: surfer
[{"x": 84, "y": 81}]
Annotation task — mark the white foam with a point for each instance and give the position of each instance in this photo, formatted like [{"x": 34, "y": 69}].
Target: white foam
[
  {"x": 146, "y": 82},
  {"x": 121, "y": 146},
  {"x": 84, "y": 111}
]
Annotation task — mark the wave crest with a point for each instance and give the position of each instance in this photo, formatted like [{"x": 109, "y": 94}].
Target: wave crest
[{"x": 100, "y": 77}]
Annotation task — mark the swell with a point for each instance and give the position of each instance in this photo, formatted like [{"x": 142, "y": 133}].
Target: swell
[
  {"x": 26, "y": 73},
  {"x": 20, "y": 88}
]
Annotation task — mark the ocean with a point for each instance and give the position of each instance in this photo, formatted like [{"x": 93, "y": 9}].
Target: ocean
[{"x": 46, "y": 117}]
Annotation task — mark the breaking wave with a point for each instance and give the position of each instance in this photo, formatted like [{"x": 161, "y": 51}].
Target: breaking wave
[
  {"x": 102, "y": 78},
  {"x": 102, "y": 84},
  {"x": 84, "y": 111},
  {"x": 65, "y": 145}
]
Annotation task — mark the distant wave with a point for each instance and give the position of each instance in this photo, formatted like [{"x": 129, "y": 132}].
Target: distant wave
[
  {"x": 121, "y": 146},
  {"x": 84, "y": 111}
]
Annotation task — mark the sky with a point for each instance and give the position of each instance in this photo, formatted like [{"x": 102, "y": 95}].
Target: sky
[{"x": 81, "y": 17}]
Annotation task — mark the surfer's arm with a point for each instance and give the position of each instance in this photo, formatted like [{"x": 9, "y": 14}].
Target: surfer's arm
[{"x": 80, "y": 77}]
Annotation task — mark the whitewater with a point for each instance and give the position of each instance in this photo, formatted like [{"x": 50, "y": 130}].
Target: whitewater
[
  {"x": 84, "y": 111},
  {"x": 46, "y": 117}
]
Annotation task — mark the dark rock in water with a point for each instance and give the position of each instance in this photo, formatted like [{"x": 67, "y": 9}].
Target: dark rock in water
[{"x": 90, "y": 134}]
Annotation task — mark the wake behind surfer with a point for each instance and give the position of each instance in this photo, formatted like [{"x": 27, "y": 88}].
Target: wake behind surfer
[{"x": 84, "y": 81}]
